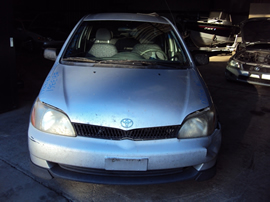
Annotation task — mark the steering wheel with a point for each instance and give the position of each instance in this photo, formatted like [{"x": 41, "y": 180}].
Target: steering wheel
[{"x": 155, "y": 50}]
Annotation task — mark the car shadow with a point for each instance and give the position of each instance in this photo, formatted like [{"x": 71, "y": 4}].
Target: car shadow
[{"x": 243, "y": 112}]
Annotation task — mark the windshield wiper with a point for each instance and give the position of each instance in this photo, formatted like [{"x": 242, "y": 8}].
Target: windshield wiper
[
  {"x": 130, "y": 62},
  {"x": 158, "y": 64},
  {"x": 79, "y": 59},
  {"x": 117, "y": 61},
  {"x": 153, "y": 63}
]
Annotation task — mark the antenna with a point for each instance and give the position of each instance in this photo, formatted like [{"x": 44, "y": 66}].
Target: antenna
[{"x": 170, "y": 12}]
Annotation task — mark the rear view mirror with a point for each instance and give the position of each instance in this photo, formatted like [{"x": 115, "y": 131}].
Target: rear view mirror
[
  {"x": 50, "y": 54},
  {"x": 201, "y": 58}
]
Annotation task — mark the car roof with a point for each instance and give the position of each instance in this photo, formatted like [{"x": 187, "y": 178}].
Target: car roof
[{"x": 152, "y": 17}]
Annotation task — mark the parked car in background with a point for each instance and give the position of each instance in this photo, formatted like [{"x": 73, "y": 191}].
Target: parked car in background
[
  {"x": 25, "y": 39},
  {"x": 124, "y": 104},
  {"x": 251, "y": 62},
  {"x": 41, "y": 31}
]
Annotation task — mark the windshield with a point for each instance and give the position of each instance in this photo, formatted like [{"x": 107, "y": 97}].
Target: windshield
[{"x": 124, "y": 42}]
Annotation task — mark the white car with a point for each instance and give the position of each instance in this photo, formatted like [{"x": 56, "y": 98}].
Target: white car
[
  {"x": 251, "y": 62},
  {"x": 124, "y": 104}
]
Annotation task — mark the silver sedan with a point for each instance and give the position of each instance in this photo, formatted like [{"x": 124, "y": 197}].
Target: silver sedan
[{"x": 124, "y": 104}]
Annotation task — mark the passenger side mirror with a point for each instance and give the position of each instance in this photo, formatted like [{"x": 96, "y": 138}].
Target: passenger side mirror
[
  {"x": 50, "y": 54},
  {"x": 201, "y": 58}
]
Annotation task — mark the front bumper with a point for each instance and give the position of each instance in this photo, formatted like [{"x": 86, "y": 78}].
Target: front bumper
[
  {"x": 163, "y": 176},
  {"x": 84, "y": 159},
  {"x": 250, "y": 77}
]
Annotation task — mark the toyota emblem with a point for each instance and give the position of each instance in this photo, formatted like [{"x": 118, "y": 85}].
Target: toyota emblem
[
  {"x": 257, "y": 69},
  {"x": 126, "y": 123}
]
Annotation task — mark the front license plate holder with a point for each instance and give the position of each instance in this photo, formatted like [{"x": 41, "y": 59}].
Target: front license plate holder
[{"x": 126, "y": 164}]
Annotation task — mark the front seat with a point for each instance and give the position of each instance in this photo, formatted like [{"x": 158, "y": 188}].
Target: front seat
[{"x": 102, "y": 46}]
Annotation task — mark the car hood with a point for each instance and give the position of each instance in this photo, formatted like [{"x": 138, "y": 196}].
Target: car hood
[
  {"x": 255, "y": 30},
  {"x": 106, "y": 95}
]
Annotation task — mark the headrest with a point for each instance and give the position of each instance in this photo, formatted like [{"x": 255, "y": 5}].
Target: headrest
[{"x": 103, "y": 34}]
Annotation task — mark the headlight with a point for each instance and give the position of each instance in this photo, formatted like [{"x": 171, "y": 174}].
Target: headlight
[
  {"x": 50, "y": 120},
  {"x": 199, "y": 124},
  {"x": 233, "y": 63}
]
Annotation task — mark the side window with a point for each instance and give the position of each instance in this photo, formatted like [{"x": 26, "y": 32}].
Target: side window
[
  {"x": 174, "y": 49},
  {"x": 79, "y": 43},
  {"x": 84, "y": 39}
]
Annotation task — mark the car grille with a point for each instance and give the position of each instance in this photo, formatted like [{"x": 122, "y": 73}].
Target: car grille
[
  {"x": 101, "y": 132},
  {"x": 92, "y": 171},
  {"x": 253, "y": 68}
]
